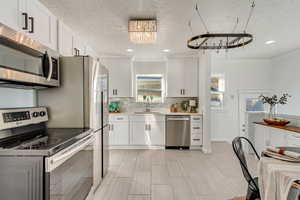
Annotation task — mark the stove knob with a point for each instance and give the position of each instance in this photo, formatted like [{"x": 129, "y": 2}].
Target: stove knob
[
  {"x": 42, "y": 113},
  {"x": 35, "y": 114}
]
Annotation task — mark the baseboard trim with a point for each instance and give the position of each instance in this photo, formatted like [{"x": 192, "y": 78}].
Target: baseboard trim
[
  {"x": 219, "y": 140},
  {"x": 91, "y": 194}
]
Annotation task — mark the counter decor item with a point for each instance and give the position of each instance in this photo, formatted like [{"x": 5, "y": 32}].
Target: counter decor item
[
  {"x": 184, "y": 106},
  {"x": 277, "y": 122},
  {"x": 273, "y": 101},
  {"x": 173, "y": 108},
  {"x": 114, "y": 107},
  {"x": 192, "y": 106}
]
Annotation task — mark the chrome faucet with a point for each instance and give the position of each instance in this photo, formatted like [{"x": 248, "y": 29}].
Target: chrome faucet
[{"x": 148, "y": 109}]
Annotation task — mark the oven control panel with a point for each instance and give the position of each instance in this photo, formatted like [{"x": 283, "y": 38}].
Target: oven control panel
[
  {"x": 12, "y": 118},
  {"x": 16, "y": 116}
]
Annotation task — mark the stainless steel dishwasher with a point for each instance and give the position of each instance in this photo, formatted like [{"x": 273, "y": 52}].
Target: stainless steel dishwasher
[{"x": 178, "y": 131}]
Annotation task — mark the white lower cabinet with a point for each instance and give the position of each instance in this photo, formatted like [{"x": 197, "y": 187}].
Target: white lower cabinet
[
  {"x": 157, "y": 133},
  {"x": 119, "y": 133},
  {"x": 147, "y": 130},
  {"x": 196, "y": 131},
  {"x": 136, "y": 130},
  {"x": 261, "y": 138},
  {"x": 265, "y": 136},
  {"x": 147, "y": 133},
  {"x": 139, "y": 134},
  {"x": 118, "y": 130},
  {"x": 277, "y": 137}
]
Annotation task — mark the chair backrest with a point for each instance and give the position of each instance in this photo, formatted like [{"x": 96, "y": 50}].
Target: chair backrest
[{"x": 238, "y": 150}]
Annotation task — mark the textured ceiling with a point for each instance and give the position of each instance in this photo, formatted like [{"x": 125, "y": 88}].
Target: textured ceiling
[{"x": 104, "y": 23}]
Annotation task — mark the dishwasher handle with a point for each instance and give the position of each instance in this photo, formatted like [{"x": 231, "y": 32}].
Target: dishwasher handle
[{"x": 178, "y": 119}]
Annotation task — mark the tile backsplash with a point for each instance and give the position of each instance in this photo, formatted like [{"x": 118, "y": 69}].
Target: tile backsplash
[{"x": 130, "y": 105}]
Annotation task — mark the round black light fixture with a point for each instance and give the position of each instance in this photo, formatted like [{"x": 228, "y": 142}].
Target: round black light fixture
[{"x": 218, "y": 41}]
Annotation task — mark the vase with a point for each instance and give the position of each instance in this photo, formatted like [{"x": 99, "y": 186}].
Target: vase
[{"x": 272, "y": 112}]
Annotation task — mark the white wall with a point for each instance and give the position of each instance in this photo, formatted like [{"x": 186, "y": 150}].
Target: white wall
[
  {"x": 10, "y": 98},
  {"x": 286, "y": 72},
  {"x": 204, "y": 99},
  {"x": 240, "y": 74}
]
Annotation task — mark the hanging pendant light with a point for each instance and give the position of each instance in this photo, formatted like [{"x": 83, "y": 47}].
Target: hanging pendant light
[
  {"x": 226, "y": 41},
  {"x": 142, "y": 31}
]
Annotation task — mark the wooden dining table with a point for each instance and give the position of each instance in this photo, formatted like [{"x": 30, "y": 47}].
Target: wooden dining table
[{"x": 276, "y": 178}]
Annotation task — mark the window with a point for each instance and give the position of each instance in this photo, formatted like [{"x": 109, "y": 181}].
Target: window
[
  {"x": 149, "y": 88},
  {"x": 217, "y": 88},
  {"x": 254, "y": 105}
]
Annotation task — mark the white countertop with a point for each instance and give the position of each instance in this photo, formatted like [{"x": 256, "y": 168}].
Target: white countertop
[{"x": 156, "y": 113}]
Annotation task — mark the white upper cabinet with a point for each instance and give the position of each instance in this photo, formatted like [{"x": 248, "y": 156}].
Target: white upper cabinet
[
  {"x": 65, "y": 40},
  {"x": 175, "y": 78},
  {"x": 32, "y": 18},
  {"x": 11, "y": 14},
  {"x": 42, "y": 24},
  {"x": 182, "y": 77},
  {"x": 91, "y": 52},
  {"x": 120, "y": 72},
  {"x": 191, "y": 77},
  {"x": 79, "y": 47}
]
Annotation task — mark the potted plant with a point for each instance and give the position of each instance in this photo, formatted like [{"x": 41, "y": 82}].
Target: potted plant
[{"x": 273, "y": 101}]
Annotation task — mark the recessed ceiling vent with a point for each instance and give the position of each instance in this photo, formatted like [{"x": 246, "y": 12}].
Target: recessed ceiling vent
[{"x": 142, "y": 31}]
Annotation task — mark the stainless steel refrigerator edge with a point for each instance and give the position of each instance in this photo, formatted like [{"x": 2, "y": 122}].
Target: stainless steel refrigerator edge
[{"x": 81, "y": 101}]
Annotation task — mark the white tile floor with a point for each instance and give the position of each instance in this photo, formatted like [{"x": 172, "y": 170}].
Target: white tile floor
[{"x": 173, "y": 175}]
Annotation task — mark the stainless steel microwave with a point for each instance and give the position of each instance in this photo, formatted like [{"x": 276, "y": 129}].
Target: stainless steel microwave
[{"x": 25, "y": 63}]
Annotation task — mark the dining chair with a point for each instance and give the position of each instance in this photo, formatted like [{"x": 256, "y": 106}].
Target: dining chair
[{"x": 253, "y": 189}]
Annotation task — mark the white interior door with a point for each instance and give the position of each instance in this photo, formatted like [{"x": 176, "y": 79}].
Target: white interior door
[{"x": 249, "y": 102}]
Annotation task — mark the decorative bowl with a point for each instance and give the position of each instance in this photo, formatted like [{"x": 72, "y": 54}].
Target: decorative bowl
[{"x": 276, "y": 121}]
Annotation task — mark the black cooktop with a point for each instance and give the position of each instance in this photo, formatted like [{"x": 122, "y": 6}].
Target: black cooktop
[{"x": 39, "y": 138}]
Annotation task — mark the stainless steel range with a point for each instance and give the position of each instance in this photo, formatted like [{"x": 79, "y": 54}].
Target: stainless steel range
[{"x": 38, "y": 163}]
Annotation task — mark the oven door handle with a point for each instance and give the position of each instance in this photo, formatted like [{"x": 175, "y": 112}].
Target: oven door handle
[
  {"x": 64, "y": 155},
  {"x": 70, "y": 152}
]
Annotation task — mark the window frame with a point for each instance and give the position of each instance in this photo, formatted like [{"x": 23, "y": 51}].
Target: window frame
[
  {"x": 221, "y": 91},
  {"x": 161, "y": 76}
]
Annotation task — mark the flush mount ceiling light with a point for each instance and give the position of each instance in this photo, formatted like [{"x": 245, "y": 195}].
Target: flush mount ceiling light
[
  {"x": 129, "y": 50},
  {"x": 166, "y": 50},
  {"x": 142, "y": 31},
  {"x": 270, "y": 42},
  {"x": 217, "y": 41}
]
